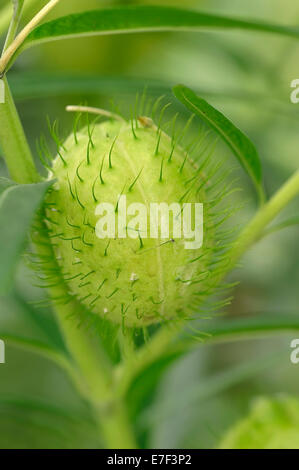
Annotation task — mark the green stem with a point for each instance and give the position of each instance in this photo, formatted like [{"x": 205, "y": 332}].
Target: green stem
[
  {"x": 10, "y": 52},
  {"x": 109, "y": 409},
  {"x": 147, "y": 354},
  {"x": 248, "y": 237},
  {"x": 263, "y": 217},
  {"x": 96, "y": 382},
  {"x": 115, "y": 426},
  {"x": 126, "y": 344},
  {"x": 13, "y": 142},
  {"x": 91, "y": 364},
  {"x": 104, "y": 393},
  {"x": 96, "y": 371}
]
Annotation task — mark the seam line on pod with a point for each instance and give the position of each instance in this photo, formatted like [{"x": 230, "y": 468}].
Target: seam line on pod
[{"x": 158, "y": 248}]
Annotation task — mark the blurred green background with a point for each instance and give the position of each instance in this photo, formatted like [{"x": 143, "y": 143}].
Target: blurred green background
[{"x": 247, "y": 76}]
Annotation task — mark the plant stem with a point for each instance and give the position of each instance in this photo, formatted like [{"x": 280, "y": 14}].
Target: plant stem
[
  {"x": 103, "y": 391},
  {"x": 98, "y": 111},
  {"x": 96, "y": 371},
  {"x": 13, "y": 142},
  {"x": 96, "y": 382},
  {"x": 252, "y": 232},
  {"x": 263, "y": 217},
  {"x": 17, "y": 43},
  {"x": 109, "y": 409},
  {"x": 147, "y": 354},
  {"x": 91, "y": 363},
  {"x": 116, "y": 428}
]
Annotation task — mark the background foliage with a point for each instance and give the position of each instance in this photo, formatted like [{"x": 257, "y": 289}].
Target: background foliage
[{"x": 245, "y": 75}]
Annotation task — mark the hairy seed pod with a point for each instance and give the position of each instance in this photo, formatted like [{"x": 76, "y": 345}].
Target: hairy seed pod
[{"x": 136, "y": 280}]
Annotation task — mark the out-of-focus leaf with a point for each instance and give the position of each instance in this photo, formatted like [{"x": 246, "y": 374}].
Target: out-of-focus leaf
[
  {"x": 6, "y": 11},
  {"x": 26, "y": 343},
  {"x": 13, "y": 27},
  {"x": 138, "y": 19},
  {"x": 209, "y": 387},
  {"x": 18, "y": 205},
  {"x": 25, "y": 404},
  {"x": 239, "y": 143},
  {"x": 219, "y": 331},
  {"x": 28, "y": 324},
  {"x": 142, "y": 389},
  {"x": 43, "y": 425},
  {"x": 4, "y": 184},
  {"x": 32, "y": 330},
  {"x": 17, "y": 3},
  {"x": 105, "y": 331},
  {"x": 38, "y": 85},
  {"x": 286, "y": 224},
  {"x": 41, "y": 318},
  {"x": 250, "y": 327},
  {"x": 273, "y": 423},
  {"x": 37, "y": 347}
]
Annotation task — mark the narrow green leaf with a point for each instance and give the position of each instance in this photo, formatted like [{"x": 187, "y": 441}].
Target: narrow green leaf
[
  {"x": 12, "y": 31},
  {"x": 29, "y": 422},
  {"x": 17, "y": 3},
  {"x": 42, "y": 423},
  {"x": 138, "y": 19},
  {"x": 142, "y": 19},
  {"x": 27, "y": 328},
  {"x": 71, "y": 415},
  {"x": 31, "y": 345},
  {"x": 286, "y": 224},
  {"x": 27, "y": 323},
  {"x": 6, "y": 11},
  {"x": 18, "y": 205},
  {"x": 218, "y": 331},
  {"x": 249, "y": 327},
  {"x": 239, "y": 143}
]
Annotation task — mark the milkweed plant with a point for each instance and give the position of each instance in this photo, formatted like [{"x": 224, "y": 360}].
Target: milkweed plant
[{"x": 131, "y": 222}]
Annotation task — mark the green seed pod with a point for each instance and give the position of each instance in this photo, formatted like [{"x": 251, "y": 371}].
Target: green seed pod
[{"x": 135, "y": 279}]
